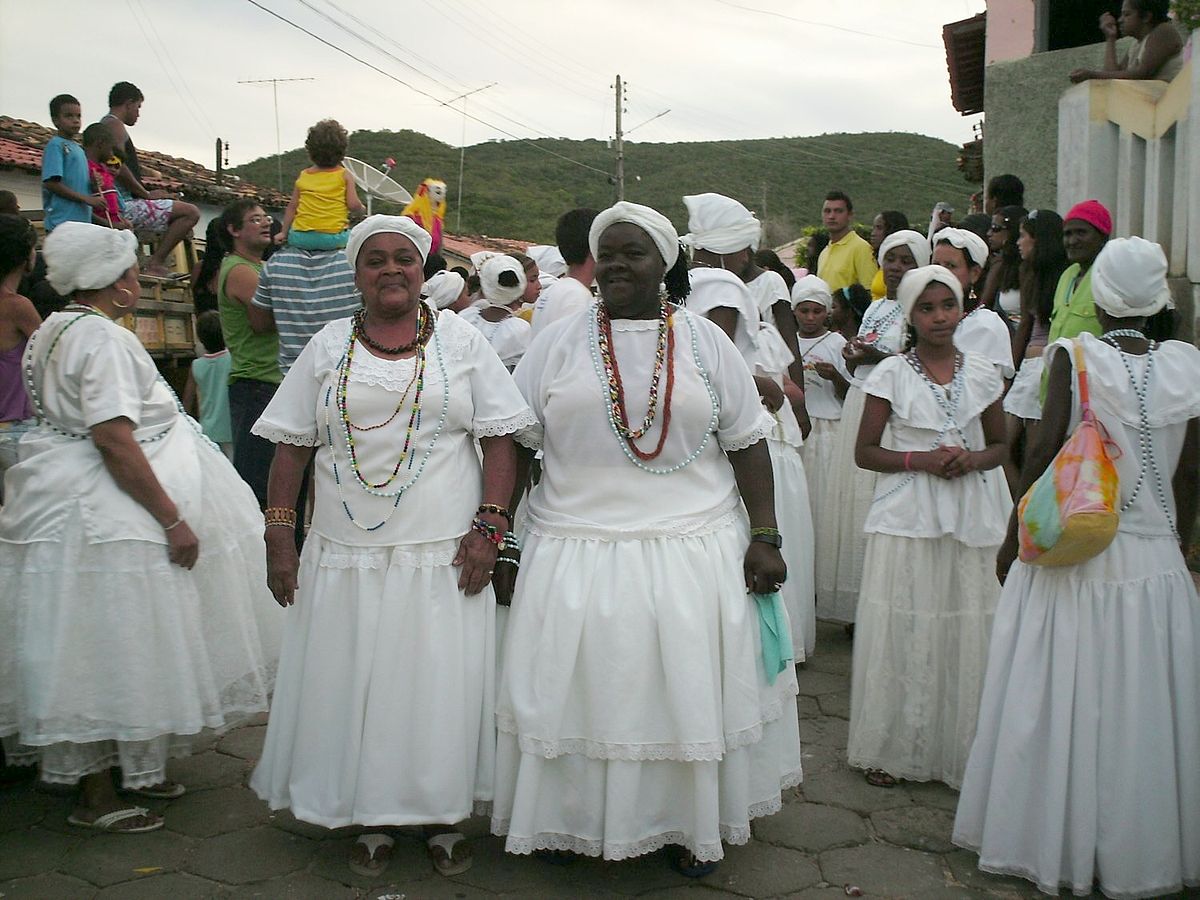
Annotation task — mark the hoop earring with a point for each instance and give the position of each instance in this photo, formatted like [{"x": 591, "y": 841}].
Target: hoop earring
[{"x": 127, "y": 293}]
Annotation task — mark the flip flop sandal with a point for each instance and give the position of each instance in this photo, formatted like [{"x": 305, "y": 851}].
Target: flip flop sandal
[
  {"x": 168, "y": 790},
  {"x": 379, "y": 854},
  {"x": 688, "y": 866},
  {"x": 879, "y": 778},
  {"x": 109, "y": 822},
  {"x": 441, "y": 852}
]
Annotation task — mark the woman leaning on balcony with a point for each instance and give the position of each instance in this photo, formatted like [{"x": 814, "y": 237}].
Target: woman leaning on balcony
[{"x": 1156, "y": 54}]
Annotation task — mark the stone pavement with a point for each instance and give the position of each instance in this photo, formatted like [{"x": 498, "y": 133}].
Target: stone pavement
[{"x": 221, "y": 841}]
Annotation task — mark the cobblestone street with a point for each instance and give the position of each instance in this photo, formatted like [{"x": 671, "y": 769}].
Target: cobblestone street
[{"x": 221, "y": 841}]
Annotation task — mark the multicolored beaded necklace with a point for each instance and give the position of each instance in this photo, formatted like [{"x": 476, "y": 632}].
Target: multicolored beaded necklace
[
  {"x": 664, "y": 357},
  {"x": 426, "y": 332}
]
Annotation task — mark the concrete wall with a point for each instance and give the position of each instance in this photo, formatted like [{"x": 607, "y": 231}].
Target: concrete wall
[
  {"x": 26, "y": 185},
  {"x": 1021, "y": 124},
  {"x": 1011, "y": 26}
]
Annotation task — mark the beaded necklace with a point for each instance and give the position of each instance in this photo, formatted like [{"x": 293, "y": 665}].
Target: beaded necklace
[
  {"x": 805, "y": 353},
  {"x": 424, "y": 328},
  {"x": 1148, "y": 461},
  {"x": 664, "y": 357},
  {"x": 879, "y": 328},
  {"x": 408, "y": 452},
  {"x": 614, "y": 422}
]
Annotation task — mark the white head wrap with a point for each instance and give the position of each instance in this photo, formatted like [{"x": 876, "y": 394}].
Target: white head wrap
[
  {"x": 489, "y": 280},
  {"x": 720, "y": 224},
  {"x": 380, "y": 224},
  {"x": 913, "y": 240},
  {"x": 651, "y": 221},
  {"x": 1129, "y": 278},
  {"x": 812, "y": 289},
  {"x": 976, "y": 247},
  {"x": 914, "y": 282},
  {"x": 83, "y": 257},
  {"x": 549, "y": 261},
  {"x": 443, "y": 288}
]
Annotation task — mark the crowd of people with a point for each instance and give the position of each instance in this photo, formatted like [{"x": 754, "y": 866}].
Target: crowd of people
[{"x": 547, "y": 541}]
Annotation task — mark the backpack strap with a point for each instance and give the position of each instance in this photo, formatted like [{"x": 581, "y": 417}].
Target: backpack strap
[{"x": 1085, "y": 404}]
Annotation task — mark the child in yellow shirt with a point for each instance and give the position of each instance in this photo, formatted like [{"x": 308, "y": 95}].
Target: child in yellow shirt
[{"x": 317, "y": 217}]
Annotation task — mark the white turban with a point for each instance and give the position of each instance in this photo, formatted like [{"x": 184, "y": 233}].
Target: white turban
[
  {"x": 380, "y": 224},
  {"x": 976, "y": 247},
  {"x": 83, "y": 257},
  {"x": 443, "y": 288},
  {"x": 489, "y": 280},
  {"x": 914, "y": 282},
  {"x": 1129, "y": 278},
  {"x": 720, "y": 224},
  {"x": 913, "y": 240},
  {"x": 811, "y": 289},
  {"x": 549, "y": 260},
  {"x": 651, "y": 221}
]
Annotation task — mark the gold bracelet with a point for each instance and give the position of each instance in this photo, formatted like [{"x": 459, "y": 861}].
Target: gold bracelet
[{"x": 279, "y": 515}]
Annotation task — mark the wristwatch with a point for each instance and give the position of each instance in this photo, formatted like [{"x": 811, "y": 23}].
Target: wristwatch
[{"x": 775, "y": 540}]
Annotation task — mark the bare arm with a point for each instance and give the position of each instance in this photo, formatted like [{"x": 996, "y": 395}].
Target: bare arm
[
  {"x": 191, "y": 399},
  {"x": 130, "y": 469},
  {"x": 1161, "y": 44},
  {"x": 240, "y": 285},
  {"x": 763, "y": 565},
  {"x": 283, "y": 487},
  {"x": 781, "y": 312},
  {"x": 289, "y": 216},
  {"x": 56, "y": 186},
  {"x": 1186, "y": 484},
  {"x": 477, "y": 555},
  {"x": 505, "y": 578},
  {"x": 352, "y": 202}
]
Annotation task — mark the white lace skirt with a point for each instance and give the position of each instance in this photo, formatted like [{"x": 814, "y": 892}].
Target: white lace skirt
[
  {"x": 1087, "y": 759},
  {"x": 634, "y": 710},
  {"x": 384, "y": 710},
  {"x": 1023, "y": 399},
  {"x": 850, "y": 492},
  {"x": 920, "y": 649},
  {"x": 794, "y": 515},
  {"x": 111, "y": 656}
]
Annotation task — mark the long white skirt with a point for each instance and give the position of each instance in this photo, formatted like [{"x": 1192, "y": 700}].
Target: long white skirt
[
  {"x": 1023, "y": 399},
  {"x": 850, "y": 492},
  {"x": 920, "y": 650},
  {"x": 384, "y": 710},
  {"x": 112, "y": 656},
  {"x": 1087, "y": 759},
  {"x": 634, "y": 710},
  {"x": 794, "y": 515}
]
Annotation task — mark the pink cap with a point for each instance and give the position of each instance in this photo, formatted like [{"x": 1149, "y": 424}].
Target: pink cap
[{"x": 1094, "y": 213}]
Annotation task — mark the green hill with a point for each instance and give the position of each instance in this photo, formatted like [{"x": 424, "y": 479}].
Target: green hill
[{"x": 514, "y": 189}]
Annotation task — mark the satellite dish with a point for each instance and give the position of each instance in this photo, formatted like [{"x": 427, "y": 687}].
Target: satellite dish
[{"x": 376, "y": 183}]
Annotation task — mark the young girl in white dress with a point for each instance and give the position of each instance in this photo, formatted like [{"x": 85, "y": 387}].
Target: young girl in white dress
[
  {"x": 722, "y": 297},
  {"x": 840, "y": 564},
  {"x": 929, "y": 588},
  {"x": 1086, "y": 765}
]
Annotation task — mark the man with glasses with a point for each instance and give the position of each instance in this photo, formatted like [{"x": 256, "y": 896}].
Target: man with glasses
[{"x": 250, "y": 337}]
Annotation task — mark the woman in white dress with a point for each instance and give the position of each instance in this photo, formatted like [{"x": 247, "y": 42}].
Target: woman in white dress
[
  {"x": 637, "y": 707},
  {"x": 938, "y": 517},
  {"x": 981, "y": 330},
  {"x": 840, "y": 563},
  {"x": 384, "y": 711},
  {"x": 131, "y": 557},
  {"x": 503, "y": 282},
  {"x": 722, "y": 297},
  {"x": 1084, "y": 766}
]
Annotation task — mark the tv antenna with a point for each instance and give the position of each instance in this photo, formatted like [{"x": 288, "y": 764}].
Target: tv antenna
[{"x": 274, "y": 83}]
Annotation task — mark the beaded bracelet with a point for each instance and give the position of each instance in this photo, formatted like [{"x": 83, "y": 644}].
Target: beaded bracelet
[
  {"x": 509, "y": 560},
  {"x": 488, "y": 532},
  {"x": 279, "y": 515},
  {"x": 495, "y": 510},
  {"x": 766, "y": 532},
  {"x": 511, "y": 542}
]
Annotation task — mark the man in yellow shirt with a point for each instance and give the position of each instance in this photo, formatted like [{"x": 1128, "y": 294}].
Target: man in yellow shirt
[{"x": 848, "y": 258}]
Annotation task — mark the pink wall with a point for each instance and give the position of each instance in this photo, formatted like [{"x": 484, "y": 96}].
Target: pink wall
[{"x": 1010, "y": 29}]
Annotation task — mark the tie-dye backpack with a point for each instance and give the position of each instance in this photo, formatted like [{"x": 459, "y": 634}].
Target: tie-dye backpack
[{"x": 1070, "y": 513}]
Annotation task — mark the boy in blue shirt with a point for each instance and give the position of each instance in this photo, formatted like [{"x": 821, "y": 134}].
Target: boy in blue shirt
[{"x": 66, "y": 188}]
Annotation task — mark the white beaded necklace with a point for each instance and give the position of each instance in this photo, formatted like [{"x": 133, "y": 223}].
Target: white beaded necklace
[{"x": 1141, "y": 391}]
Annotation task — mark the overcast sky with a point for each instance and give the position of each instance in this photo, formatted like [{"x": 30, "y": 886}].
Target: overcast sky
[{"x": 724, "y": 68}]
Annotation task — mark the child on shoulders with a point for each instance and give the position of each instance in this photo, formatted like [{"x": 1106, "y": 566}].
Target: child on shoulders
[{"x": 318, "y": 215}]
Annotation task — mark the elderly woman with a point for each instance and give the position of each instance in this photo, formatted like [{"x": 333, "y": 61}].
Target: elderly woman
[
  {"x": 130, "y": 554},
  {"x": 1084, "y": 762},
  {"x": 384, "y": 711},
  {"x": 639, "y": 706}
]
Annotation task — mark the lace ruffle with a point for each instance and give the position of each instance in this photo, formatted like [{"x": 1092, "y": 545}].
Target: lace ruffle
[
  {"x": 531, "y": 438},
  {"x": 692, "y": 527},
  {"x": 499, "y": 427},
  {"x": 764, "y": 428},
  {"x": 386, "y": 557},
  {"x": 280, "y": 436}
]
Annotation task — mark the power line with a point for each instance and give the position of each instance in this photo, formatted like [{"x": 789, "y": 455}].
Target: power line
[
  {"x": 418, "y": 90},
  {"x": 870, "y": 34},
  {"x": 166, "y": 71}
]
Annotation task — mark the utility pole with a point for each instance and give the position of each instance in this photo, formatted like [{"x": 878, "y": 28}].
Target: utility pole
[
  {"x": 620, "y": 141},
  {"x": 462, "y": 148},
  {"x": 275, "y": 82}
]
